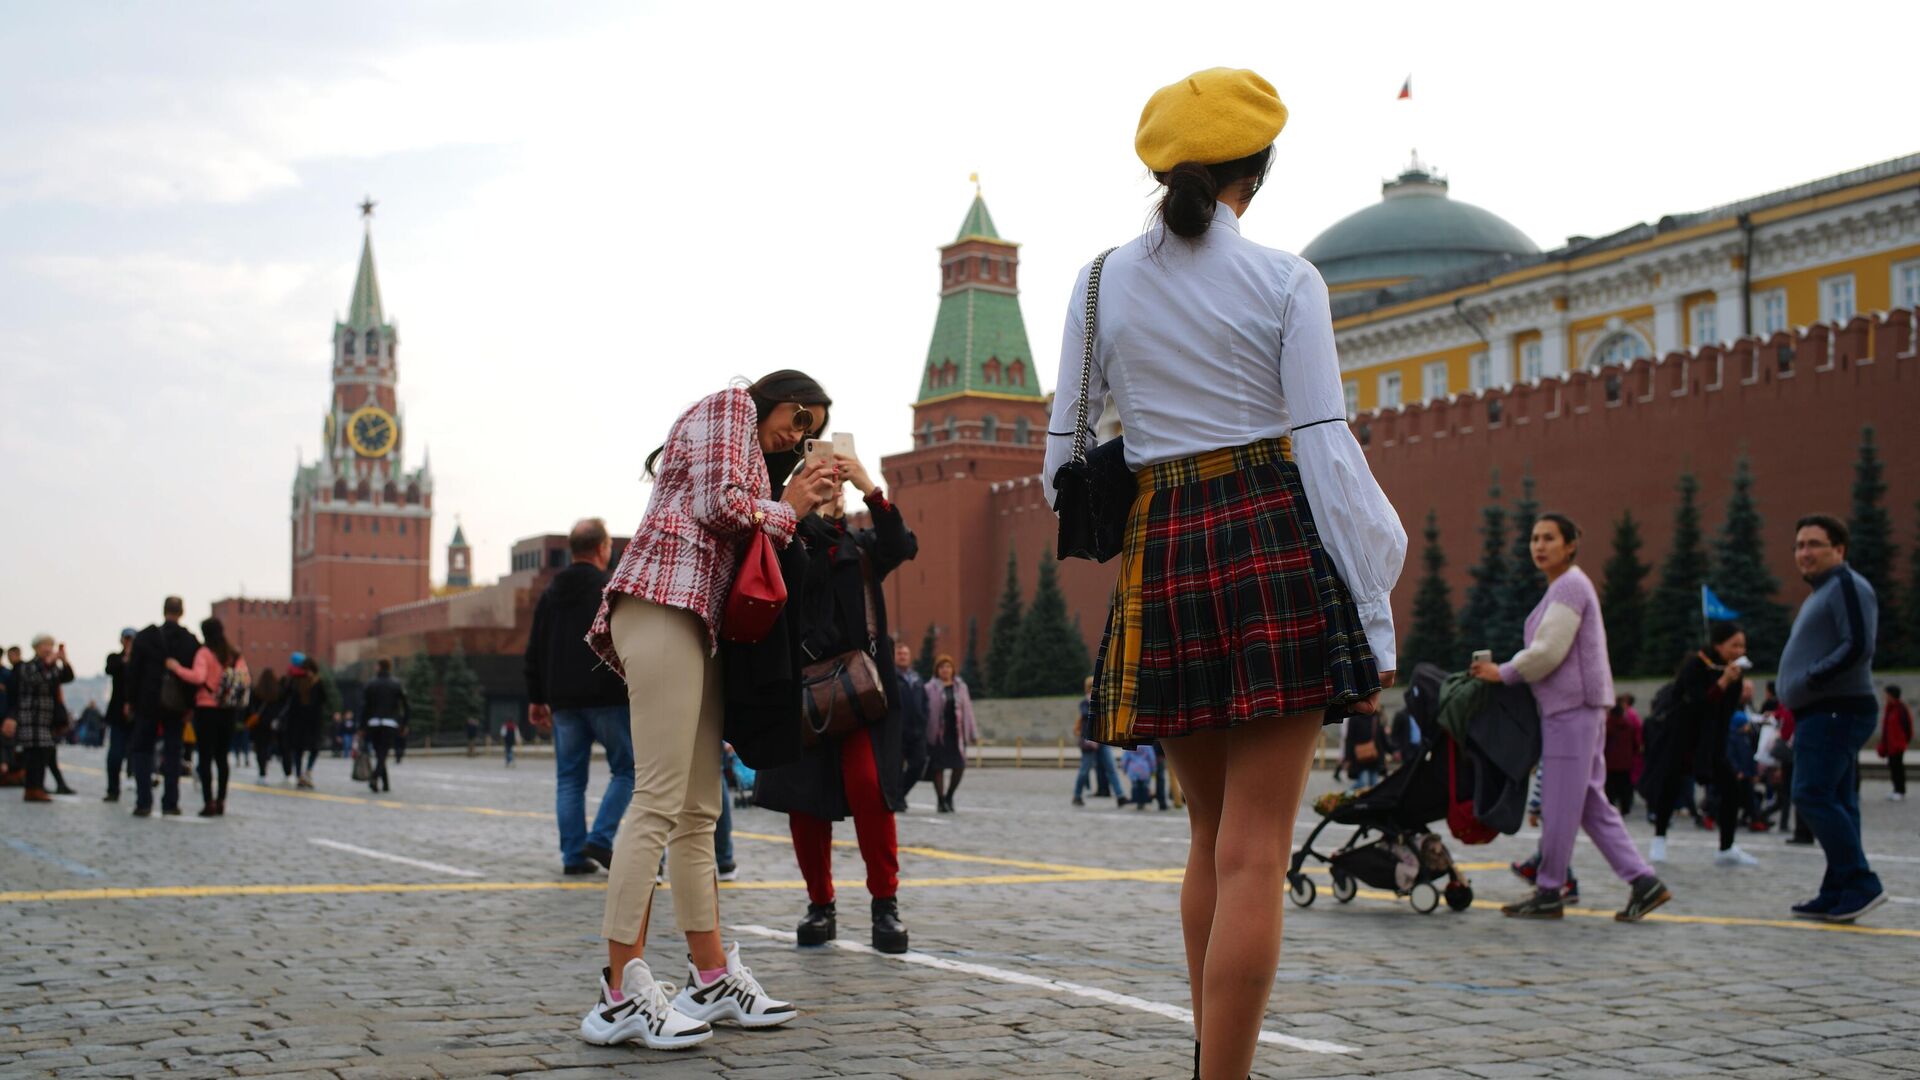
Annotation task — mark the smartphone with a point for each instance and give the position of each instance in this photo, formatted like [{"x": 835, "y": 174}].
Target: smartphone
[
  {"x": 818, "y": 452},
  {"x": 1481, "y": 654},
  {"x": 1744, "y": 663},
  {"x": 843, "y": 443}
]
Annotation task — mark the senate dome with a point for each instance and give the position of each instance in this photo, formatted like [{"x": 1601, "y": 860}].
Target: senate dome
[{"x": 1414, "y": 231}]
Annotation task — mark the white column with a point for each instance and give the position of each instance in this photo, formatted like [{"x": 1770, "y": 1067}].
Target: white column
[
  {"x": 1500, "y": 355},
  {"x": 1553, "y": 346},
  {"x": 1668, "y": 333},
  {"x": 1729, "y": 314}
]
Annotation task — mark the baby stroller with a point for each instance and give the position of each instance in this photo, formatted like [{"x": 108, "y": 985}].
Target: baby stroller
[{"x": 1391, "y": 847}]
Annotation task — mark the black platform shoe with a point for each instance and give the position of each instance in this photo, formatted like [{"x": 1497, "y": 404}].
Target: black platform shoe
[
  {"x": 818, "y": 927},
  {"x": 889, "y": 933}
]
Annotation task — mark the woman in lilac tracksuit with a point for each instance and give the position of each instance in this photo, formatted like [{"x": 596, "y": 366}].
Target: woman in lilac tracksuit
[{"x": 1565, "y": 665}]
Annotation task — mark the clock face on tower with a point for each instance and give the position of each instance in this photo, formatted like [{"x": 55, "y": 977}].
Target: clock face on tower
[{"x": 371, "y": 431}]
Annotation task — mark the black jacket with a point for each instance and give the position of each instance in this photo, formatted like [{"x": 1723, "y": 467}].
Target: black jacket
[
  {"x": 1692, "y": 739},
  {"x": 832, "y": 619},
  {"x": 562, "y": 671},
  {"x": 148, "y": 666},
  {"x": 383, "y": 698},
  {"x": 1504, "y": 740},
  {"x": 120, "y": 698}
]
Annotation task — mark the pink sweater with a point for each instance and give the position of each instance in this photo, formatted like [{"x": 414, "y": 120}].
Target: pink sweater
[
  {"x": 205, "y": 674},
  {"x": 1565, "y": 661}
]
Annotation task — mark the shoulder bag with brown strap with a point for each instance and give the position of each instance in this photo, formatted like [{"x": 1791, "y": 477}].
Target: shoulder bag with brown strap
[{"x": 842, "y": 694}]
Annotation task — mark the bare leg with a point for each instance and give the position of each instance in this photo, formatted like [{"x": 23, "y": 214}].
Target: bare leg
[
  {"x": 1201, "y": 770},
  {"x": 1264, "y": 766}
]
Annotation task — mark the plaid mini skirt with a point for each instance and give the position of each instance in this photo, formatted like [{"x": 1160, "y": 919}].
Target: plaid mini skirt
[{"x": 1227, "y": 609}]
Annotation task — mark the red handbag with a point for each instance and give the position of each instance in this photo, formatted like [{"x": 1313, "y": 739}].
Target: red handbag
[{"x": 759, "y": 593}]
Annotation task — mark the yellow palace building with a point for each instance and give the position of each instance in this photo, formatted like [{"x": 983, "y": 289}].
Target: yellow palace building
[{"x": 1433, "y": 297}]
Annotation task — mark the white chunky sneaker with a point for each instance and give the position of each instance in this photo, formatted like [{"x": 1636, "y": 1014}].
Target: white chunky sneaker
[
  {"x": 1658, "y": 852},
  {"x": 1733, "y": 856},
  {"x": 644, "y": 1012},
  {"x": 735, "y": 997}
]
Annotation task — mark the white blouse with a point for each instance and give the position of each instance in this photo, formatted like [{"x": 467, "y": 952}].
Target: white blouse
[{"x": 1217, "y": 343}]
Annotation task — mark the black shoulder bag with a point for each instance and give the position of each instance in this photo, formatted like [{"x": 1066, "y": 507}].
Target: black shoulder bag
[{"x": 1094, "y": 488}]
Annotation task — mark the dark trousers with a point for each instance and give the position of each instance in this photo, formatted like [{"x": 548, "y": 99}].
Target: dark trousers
[
  {"x": 213, "y": 737},
  {"x": 1897, "y": 765},
  {"x": 1677, "y": 792},
  {"x": 1160, "y": 777},
  {"x": 381, "y": 739},
  {"x": 913, "y": 756},
  {"x": 1734, "y": 796},
  {"x": 1826, "y": 790},
  {"x": 1620, "y": 790},
  {"x": 34, "y": 760},
  {"x": 118, "y": 736},
  {"x": 163, "y": 734}
]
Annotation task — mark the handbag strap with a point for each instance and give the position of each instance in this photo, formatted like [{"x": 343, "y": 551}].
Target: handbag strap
[{"x": 1080, "y": 432}]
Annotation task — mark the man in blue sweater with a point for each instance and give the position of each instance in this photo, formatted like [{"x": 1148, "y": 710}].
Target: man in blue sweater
[{"x": 1826, "y": 678}]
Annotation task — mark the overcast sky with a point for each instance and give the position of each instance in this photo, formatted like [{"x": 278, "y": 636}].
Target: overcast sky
[{"x": 592, "y": 214}]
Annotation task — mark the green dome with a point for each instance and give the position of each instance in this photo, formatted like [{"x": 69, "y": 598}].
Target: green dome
[{"x": 1416, "y": 231}]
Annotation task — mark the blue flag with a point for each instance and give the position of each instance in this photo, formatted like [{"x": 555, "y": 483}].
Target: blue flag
[{"x": 1711, "y": 606}]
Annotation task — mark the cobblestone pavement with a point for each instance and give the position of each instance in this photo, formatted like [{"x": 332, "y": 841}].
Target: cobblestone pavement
[{"x": 1045, "y": 939}]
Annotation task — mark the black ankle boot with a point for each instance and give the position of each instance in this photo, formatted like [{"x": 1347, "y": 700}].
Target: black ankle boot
[
  {"x": 889, "y": 933},
  {"x": 818, "y": 927}
]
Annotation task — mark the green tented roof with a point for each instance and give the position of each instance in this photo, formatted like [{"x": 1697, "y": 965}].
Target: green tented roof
[
  {"x": 365, "y": 312},
  {"x": 459, "y": 537},
  {"x": 974, "y": 328},
  {"x": 978, "y": 223}
]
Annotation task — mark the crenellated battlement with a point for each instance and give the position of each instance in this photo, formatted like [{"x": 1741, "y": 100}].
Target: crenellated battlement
[{"x": 1786, "y": 363}]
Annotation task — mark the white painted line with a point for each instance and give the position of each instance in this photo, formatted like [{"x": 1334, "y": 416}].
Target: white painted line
[
  {"x": 438, "y": 868},
  {"x": 1058, "y": 986},
  {"x": 53, "y": 857}
]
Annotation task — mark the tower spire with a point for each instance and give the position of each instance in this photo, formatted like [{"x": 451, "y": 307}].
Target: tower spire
[{"x": 364, "y": 311}]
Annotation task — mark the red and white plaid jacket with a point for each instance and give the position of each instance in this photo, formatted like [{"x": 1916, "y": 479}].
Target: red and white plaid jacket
[{"x": 710, "y": 494}]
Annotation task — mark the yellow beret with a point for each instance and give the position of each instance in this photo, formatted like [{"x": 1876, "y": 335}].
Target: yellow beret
[{"x": 1209, "y": 117}]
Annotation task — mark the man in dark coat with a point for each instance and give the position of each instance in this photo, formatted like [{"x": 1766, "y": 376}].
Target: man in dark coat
[
  {"x": 119, "y": 714},
  {"x": 153, "y": 724},
  {"x": 578, "y": 698},
  {"x": 913, "y": 727}
]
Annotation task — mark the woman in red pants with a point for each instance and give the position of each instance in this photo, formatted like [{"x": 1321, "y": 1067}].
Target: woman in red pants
[{"x": 840, "y": 608}]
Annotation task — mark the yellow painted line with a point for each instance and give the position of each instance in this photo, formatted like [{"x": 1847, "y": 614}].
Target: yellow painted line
[
  {"x": 489, "y": 811},
  {"x": 1695, "y": 920},
  {"x": 184, "y": 892}
]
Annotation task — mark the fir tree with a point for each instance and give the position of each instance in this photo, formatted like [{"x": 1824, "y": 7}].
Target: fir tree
[
  {"x": 924, "y": 665},
  {"x": 1870, "y": 551},
  {"x": 1432, "y": 639},
  {"x": 1623, "y": 605},
  {"x": 970, "y": 668},
  {"x": 462, "y": 698},
  {"x": 422, "y": 692},
  {"x": 1050, "y": 657},
  {"x": 1525, "y": 583},
  {"x": 1740, "y": 577},
  {"x": 1480, "y": 620},
  {"x": 1673, "y": 611},
  {"x": 1005, "y": 636}
]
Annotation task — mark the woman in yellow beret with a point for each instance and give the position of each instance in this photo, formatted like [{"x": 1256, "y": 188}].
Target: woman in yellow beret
[{"x": 1252, "y": 604}]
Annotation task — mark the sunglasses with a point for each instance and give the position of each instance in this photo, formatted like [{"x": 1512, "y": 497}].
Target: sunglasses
[{"x": 803, "y": 418}]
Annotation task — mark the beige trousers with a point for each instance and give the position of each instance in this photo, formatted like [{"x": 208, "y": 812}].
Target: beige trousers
[{"x": 673, "y": 688}]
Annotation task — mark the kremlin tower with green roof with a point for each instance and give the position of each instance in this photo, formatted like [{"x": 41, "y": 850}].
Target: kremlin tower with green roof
[{"x": 970, "y": 487}]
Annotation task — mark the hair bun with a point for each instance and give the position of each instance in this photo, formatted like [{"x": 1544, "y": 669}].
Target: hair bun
[{"x": 1187, "y": 207}]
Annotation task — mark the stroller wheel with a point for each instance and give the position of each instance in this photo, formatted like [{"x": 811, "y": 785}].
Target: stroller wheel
[
  {"x": 1344, "y": 888},
  {"x": 1424, "y": 898},
  {"x": 1300, "y": 890},
  {"x": 1459, "y": 897}
]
